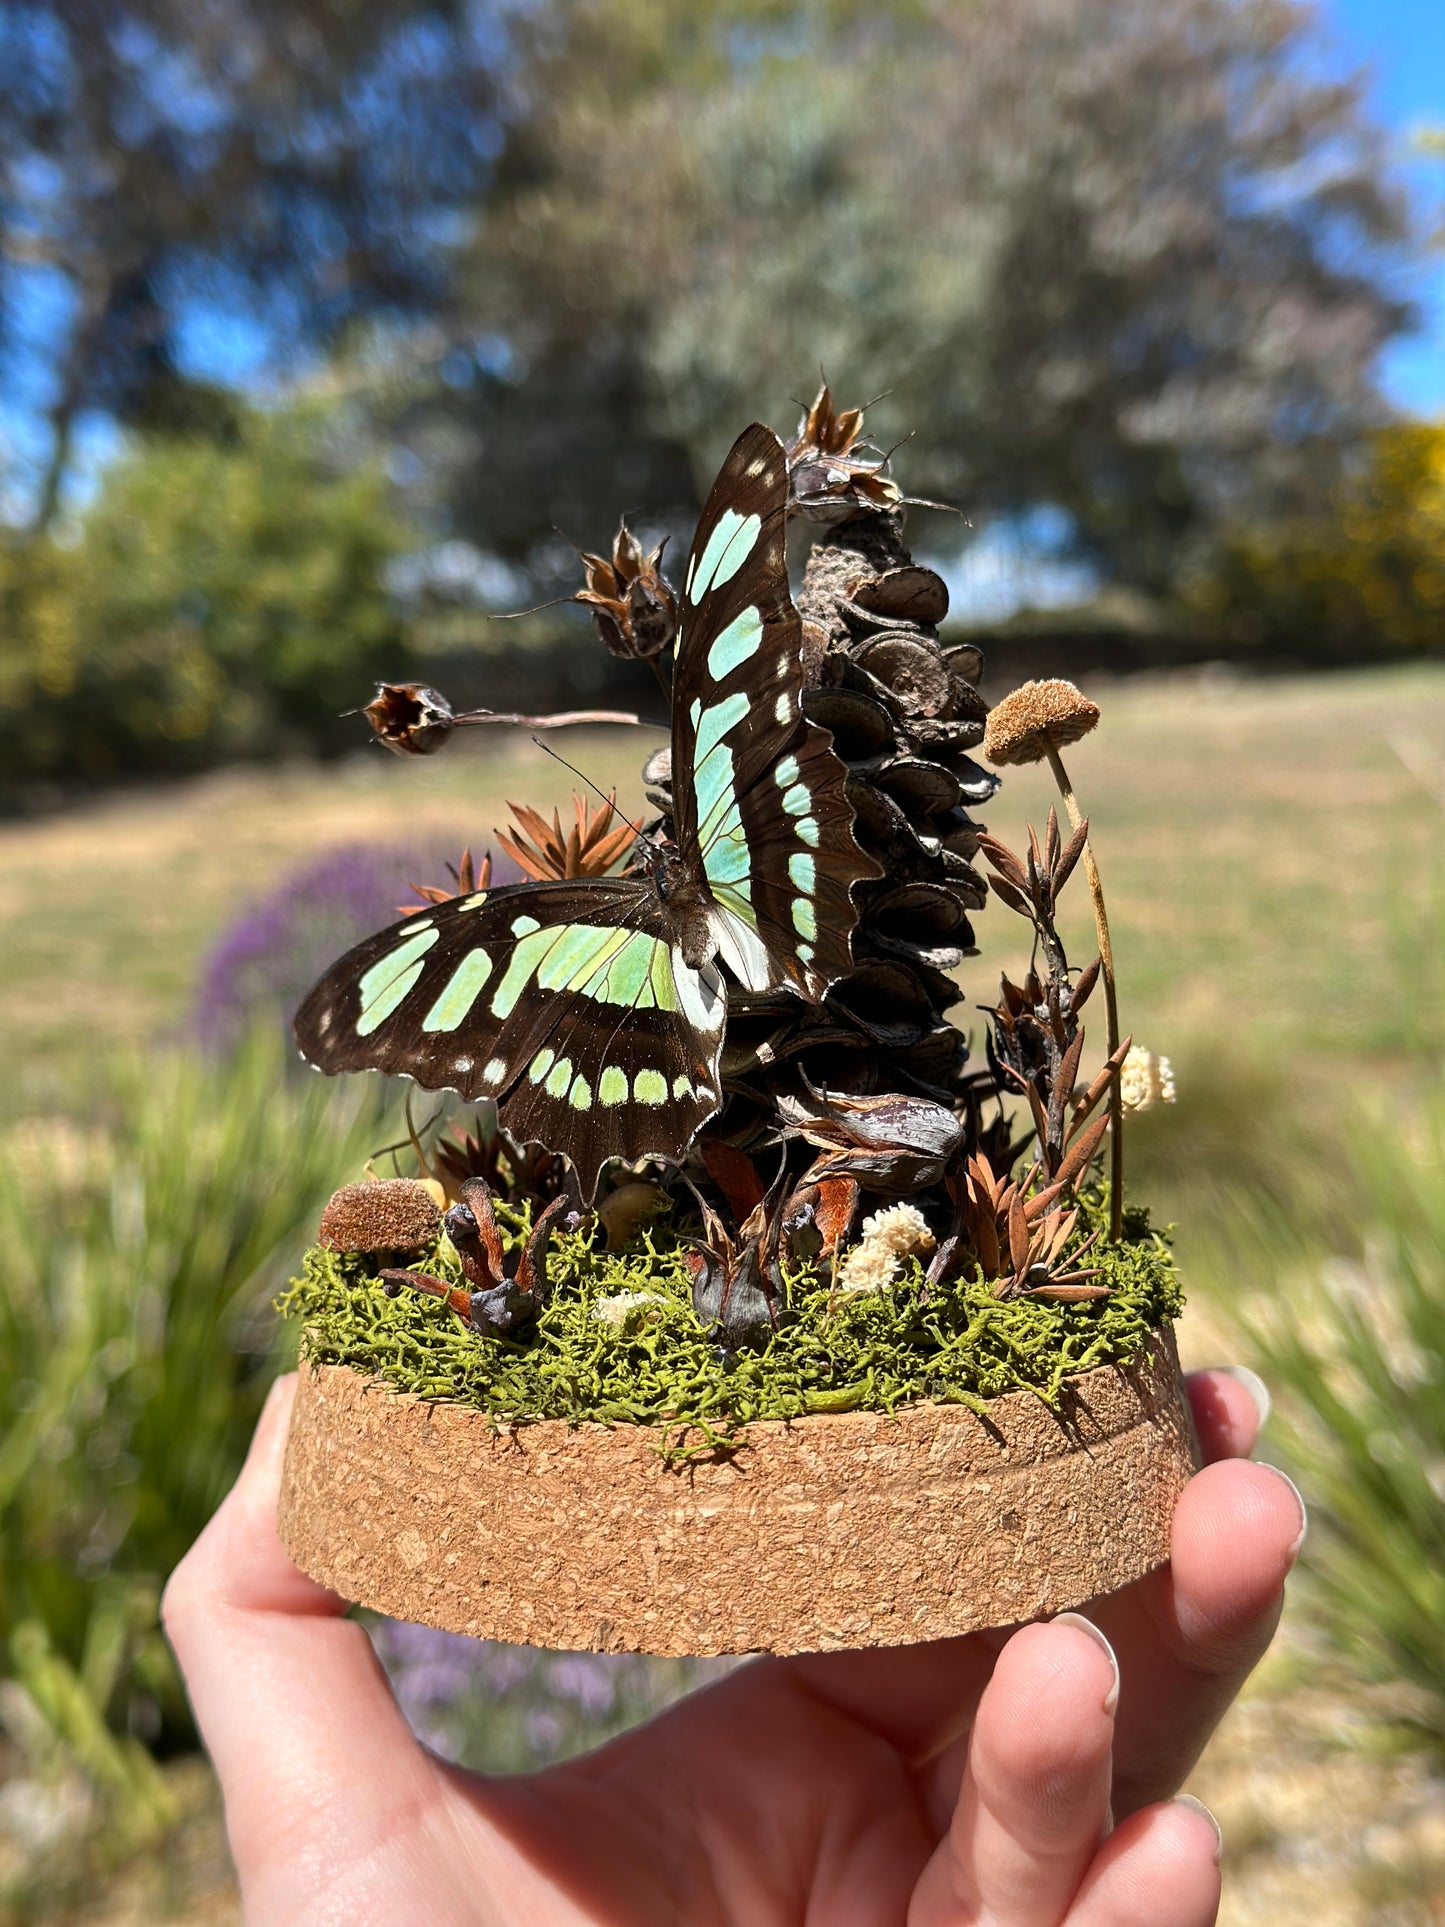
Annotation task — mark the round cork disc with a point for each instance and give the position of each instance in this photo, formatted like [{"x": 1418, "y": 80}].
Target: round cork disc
[{"x": 850, "y": 1529}]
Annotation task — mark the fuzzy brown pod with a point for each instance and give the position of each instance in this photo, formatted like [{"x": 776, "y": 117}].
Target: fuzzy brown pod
[{"x": 387, "y": 1214}]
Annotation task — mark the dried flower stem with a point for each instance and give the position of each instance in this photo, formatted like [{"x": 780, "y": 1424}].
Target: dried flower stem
[
  {"x": 563, "y": 719},
  {"x": 1111, "y": 999}
]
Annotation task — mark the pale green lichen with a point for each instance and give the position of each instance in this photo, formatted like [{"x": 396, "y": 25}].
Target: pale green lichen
[{"x": 658, "y": 1366}]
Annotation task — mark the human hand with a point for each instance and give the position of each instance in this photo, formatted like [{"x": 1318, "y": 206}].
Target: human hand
[{"x": 1018, "y": 1780}]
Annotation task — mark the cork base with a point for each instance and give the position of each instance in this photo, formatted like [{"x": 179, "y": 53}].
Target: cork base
[{"x": 853, "y": 1529}]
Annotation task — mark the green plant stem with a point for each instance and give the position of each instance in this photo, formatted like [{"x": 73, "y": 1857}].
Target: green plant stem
[{"x": 1111, "y": 997}]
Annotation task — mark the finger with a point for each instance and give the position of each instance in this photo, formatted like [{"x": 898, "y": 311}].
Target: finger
[
  {"x": 919, "y": 1699},
  {"x": 922, "y": 1698},
  {"x": 288, "y": 1695},
  {"x": 1230, "y": 1406},
  {"x": 1161, "y": 1865},
  {"x": 1191, "y": 1633},
  {"x": 1034, "y": 1803}
]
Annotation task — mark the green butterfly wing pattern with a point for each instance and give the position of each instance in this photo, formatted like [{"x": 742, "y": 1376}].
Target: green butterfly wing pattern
[
  {"x": 592, "y": 1010},
  {"x": 758, "y": 794},
  {"x": 568, "y": 1002}
]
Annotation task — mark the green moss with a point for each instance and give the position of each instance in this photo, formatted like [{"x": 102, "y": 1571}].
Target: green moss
[{"x": 659, "y": 1367}]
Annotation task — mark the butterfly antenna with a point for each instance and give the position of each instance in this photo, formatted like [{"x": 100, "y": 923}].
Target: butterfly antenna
[
  {"x": 514, "y": 615},
  {"x": 610, "y": 801}
]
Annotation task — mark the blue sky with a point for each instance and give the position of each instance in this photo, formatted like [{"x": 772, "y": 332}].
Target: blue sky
[{"x": 1402, "y": 43}]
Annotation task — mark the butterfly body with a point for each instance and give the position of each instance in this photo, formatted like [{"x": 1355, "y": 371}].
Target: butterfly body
[{"x": 593, "y": 1009}]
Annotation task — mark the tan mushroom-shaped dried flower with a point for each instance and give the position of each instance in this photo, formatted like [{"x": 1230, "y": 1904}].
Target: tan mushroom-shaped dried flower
[
  {"x": 1032, "y": 725},
  {"x": 1036, "y": 717}
]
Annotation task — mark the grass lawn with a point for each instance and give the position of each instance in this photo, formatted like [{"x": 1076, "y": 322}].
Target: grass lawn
[{"x": 1262, "y": 845}]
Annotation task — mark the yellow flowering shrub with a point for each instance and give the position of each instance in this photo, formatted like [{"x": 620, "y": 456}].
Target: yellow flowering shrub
[{"x": 1370, "y": 578}]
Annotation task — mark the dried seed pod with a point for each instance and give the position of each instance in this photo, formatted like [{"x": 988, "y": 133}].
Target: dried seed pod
[
  {"x": 861, "y": 725},
  {"x": 918, "y": 909},
  {"x": 911, "y": 668},
  {"x": 911, "y": 593},
  {"x": 921, "y": 787},
  {"x": 411, "y": 718},
  {"x": 965, "y": 659}
]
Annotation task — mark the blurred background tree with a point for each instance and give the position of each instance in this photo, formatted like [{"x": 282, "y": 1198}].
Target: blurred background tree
[{"x": 1126, "y": 267}]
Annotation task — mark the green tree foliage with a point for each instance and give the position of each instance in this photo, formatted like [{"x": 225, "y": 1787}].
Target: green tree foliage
[
  {"x": 293, "y": 163},
  {"x": 219, "y": 599},
  {"x": 1340, "y": 585},
  {"x": 1130, "y": 257}
]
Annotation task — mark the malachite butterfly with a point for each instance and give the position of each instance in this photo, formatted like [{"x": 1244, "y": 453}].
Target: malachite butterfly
[{"x": 593, "y": 1010}]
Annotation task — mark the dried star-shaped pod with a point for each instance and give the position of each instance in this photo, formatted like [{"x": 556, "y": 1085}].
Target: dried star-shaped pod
[
  {"x": 411, "y": 718},
  {"x": 633, "y": 607},
  {"x": 520, "y": 1173},
  {"x": 896, "y": 1144},
  {"x": 737, "y": 1283},
  {"x": 829, "y": 474},
  {"x": 818, "y": 1217},
  {"x": 468, "y": 878},
  {"x": 500, "y": 1300},
  {"x": 589, "y": 849}
]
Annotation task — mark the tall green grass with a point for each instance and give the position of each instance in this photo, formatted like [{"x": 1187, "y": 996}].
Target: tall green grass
[
  {"x": 140, "y": 1247},
  {"x": 1350, "y": 1334}
]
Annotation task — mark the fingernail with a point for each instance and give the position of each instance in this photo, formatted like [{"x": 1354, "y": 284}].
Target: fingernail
[
  {"x": 1111, "y": 1698},
  {"x": 1198, "y": 1806},
  {"x": 1255, "y": 1386},
  {"x": 1304, "y": 1517}
]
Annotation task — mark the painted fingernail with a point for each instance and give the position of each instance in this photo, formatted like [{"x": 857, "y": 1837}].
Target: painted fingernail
[
  {"x": 1111, "y": 1698},
  {"x": 1304, "y": 1517},
  {"x": 1255, "y": 1386},
  {"x": 1198, "y": 1806}
]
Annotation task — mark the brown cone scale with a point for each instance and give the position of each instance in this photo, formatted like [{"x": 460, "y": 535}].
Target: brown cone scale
[{"x": 836, "y": 1530}]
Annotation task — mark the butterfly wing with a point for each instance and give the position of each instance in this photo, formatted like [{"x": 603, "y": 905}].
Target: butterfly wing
[
  {"x": 758, "y": 792},
  {"x": 567, "y": 1002}
]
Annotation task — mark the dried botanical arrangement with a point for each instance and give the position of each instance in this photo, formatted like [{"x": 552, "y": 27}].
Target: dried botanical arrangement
[{"x": 733, "y": 1161}]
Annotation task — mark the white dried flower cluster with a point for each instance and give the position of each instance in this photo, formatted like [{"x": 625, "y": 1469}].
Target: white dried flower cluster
[
  {"x": 616, "y": 1310},
  {"x": 1145, "y": 1079},
  {"x": 887, "y": 1238}
]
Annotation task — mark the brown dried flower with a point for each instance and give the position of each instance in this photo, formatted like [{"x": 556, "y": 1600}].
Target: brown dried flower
[
  {"x": 506, "y": 1292},
  {"x": 829, "y": 474},
  {"x": 633, "y": 608},
  {"x": 1036, "y": 717},
  {"x": 468, "y": 877},
  {"x": 589, "y": 849}
]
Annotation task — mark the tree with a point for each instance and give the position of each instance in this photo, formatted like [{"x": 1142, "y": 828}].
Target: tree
[
  {"x": 1132, "y": 258},
  {"x": 291, "y": 164},
  {"x": 222, "y": 599},
  {"x": 1369, "y": 575}
]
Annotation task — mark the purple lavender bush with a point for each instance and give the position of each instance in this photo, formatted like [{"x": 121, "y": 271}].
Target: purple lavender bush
[
  {"x": 509, "y": 1709},
  {"x": 263, "y": 963}
]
